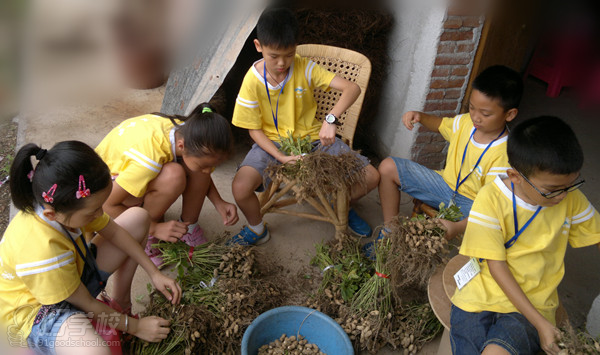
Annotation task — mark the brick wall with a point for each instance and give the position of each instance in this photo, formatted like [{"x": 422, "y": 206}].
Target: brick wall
[{"x": 449, "y": 79}]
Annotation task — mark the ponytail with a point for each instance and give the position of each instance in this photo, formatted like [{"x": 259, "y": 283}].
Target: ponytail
[
  {"x": 20, "y": 173},
  {"x": 204, "y": 132},
  {"x": 62, "y": 177}
]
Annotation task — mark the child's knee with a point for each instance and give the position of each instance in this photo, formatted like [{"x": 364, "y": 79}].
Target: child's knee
[
  {"x": 78, "y": 325},
  {"x": 245, "y": 182},
  {"x": 172, "y": 175},
  {"x": 387, "y": 169},
  {"x": 136, "y": 220}
]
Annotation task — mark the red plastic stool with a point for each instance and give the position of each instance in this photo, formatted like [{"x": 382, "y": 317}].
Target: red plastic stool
[
  {"x": 111, "y": 336},
  {"x": 559, "y": 60}
]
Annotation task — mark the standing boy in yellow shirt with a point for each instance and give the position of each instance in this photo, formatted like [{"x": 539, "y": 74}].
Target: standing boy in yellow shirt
[{"x": 518, "y": 231}]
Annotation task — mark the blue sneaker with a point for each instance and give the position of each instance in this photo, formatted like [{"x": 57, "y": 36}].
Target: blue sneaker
[
  {"x": 358, "y": 225},
  {"x": 248, "y": 237},
  {"x": 369, "y": 248}
]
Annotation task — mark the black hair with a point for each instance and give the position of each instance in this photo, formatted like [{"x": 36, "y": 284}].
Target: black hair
[
  {"x": 502, "y": 83},
  {"x": 545, "y": 144},
  {"x": 278, "y": 28},
  {"x": 62, "y": 165},
  {"x": 204, "y": 132}
]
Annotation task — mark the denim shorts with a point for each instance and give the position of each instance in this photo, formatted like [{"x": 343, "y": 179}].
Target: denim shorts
[
  {"x": 260, "y": 160},
  {"x": 428, "y": 186},
  {"x": 470, "y": 332},
  {"x": 50, "y": 318}
]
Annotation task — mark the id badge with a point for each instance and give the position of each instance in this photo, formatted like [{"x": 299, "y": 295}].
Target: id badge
[{"x": 467, "y": 273}]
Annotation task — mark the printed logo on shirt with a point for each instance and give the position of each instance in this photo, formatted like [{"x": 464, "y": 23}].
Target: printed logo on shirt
[
  {"x": 566, "y": 226},
  {"x": 299, "y": 92}
]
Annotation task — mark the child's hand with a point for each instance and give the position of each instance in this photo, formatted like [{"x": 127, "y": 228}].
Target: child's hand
[
  {"x": 548, "y": 335},
  {"x": 167, "y": 286},
  {"x": 152, "y": 329},
  {"x": 327, "y": 134},
  {"x": 228, "y": 212},
  {"x": 410, "y": 118},
  {"x": 290, "y": 159},
  {"x": 170, "y": 231}
]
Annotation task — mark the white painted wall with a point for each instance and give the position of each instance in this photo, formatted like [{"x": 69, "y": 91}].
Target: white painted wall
[{"x": 413, "y": 48}]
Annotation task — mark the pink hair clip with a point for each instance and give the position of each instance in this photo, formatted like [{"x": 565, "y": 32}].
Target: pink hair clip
[
  {"x": 48, "y": 195},
  {"x": 30, "y": 176},
  {"x": 83, "y": 191}
]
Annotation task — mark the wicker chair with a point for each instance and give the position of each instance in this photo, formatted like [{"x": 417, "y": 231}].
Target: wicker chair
[{"x": 352, "y": 66}]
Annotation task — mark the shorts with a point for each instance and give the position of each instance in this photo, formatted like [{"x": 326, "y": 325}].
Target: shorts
[
  {"x": 428, "y": 186},
  {"x": 470, "y": 332},
  {"x": 50, "y": 318},
  {"x": 260, "y": 160}
]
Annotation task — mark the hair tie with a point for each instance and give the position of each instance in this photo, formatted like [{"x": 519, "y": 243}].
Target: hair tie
[
  {"x": 40, "y": 154},
  {"x": 82, "y": 192},
  {"x": 207, "y": 110},
  {"x": 30, "y": 176},
  {"x": 48, "y": 195}
]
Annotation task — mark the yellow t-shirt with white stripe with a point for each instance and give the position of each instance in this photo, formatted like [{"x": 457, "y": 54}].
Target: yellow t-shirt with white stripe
[
  {"x": 297, "y": 105},
  {"x": 39, "y": 265},
  {"x": 536, "y": 259},
  {"x": 457, "y": 131},
  {"x": 137, "y": 149}
]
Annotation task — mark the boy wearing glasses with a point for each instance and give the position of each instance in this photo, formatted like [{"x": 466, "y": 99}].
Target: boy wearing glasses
[{"x": 517, "y": 234}]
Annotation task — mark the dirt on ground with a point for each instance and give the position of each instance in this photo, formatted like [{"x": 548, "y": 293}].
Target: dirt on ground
[{"x": 8, "y": 141}]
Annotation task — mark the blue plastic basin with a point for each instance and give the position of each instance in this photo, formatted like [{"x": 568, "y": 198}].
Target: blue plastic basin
[{"x": 318, "y": 328}]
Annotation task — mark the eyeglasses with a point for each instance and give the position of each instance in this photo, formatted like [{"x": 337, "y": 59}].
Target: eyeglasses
[{"x": 554, "y": 193}]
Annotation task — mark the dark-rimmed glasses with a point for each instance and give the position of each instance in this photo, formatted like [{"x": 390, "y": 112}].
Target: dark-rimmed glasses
[{"x": 554, "y": 193}]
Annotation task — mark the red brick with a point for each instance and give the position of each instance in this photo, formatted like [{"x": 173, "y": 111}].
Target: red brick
[
  {"x": 432, "y": 148},
  {"x": 456, "y": 59},
  {"x": 460, "y": 71},
  {"x": 440, "y": 72},
  {"x": 423, "y": 138},
  {"x": 465, "y": 48},
  {"x": 453, "y": 22},
  {"x": 440, "y": 84},
  {"x": 457, "y": 36},
  {"x": 435, "y": 95},
  {"x": 440, "y": 106},
  {"x": 452, "y": 94},
  {"x": 446, "y": 47},
  {"x": 471, "y": 21}
]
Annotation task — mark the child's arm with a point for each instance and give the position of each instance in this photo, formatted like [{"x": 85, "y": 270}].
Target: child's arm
[
  {"x": 151, "y": 329},
  {"x": 124, "y": 241},
  {"x": 267, "y": 145},
  {"x": 228, "y": 211},
  {"x": 430, "y": 122},
  {"x": 546, "y": 330},
  {"x": 350, "y": 92}
]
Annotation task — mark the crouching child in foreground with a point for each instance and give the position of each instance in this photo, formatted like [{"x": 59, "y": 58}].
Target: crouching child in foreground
[{"x": 517, "y": 233}]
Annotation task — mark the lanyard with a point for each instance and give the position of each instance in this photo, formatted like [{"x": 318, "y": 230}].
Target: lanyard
[
  {"x": 518, "y": 231},
  {"x": 87, "y": 250},
  {"x": 269, "y": 96},
  {"x": 458, "y": 180}
]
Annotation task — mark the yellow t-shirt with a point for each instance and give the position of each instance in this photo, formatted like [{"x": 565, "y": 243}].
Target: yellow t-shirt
[
  {"x": 39, "y": 266},
  {"x": 536, "y": 259},
  {"x": 136, "y": 150},
  {"x": 297, "y": 105},
  {"x": 457, "y": 131}
]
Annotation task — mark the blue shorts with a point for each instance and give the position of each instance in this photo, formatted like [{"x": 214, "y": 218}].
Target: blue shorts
[
  {"x": 260, "y": 160},
  {"x": 470, "y": 332},
  {"x": 428, "y": 186},
  {"x": 50, "y": 318}
]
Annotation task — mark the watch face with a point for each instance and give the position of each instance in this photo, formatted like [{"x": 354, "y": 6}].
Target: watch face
[{"x": 330, "y": 118}]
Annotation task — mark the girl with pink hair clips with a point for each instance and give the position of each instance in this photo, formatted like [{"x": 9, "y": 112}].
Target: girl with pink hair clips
[{"x": 59, "y": 250}]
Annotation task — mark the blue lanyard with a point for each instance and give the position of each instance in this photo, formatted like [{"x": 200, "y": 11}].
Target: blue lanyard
[
  {"x": 518, "y": 231},
  {"x": 269, "y": 96},
  {"x": 458, "y": 180},
  {"x": 84, "y": 257}
]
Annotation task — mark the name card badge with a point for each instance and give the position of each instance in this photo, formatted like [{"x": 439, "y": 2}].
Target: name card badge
[{"x": 467, "y": 273}]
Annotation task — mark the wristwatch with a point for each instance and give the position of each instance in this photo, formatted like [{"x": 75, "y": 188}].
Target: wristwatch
[{"x": 331, "y": 119}]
